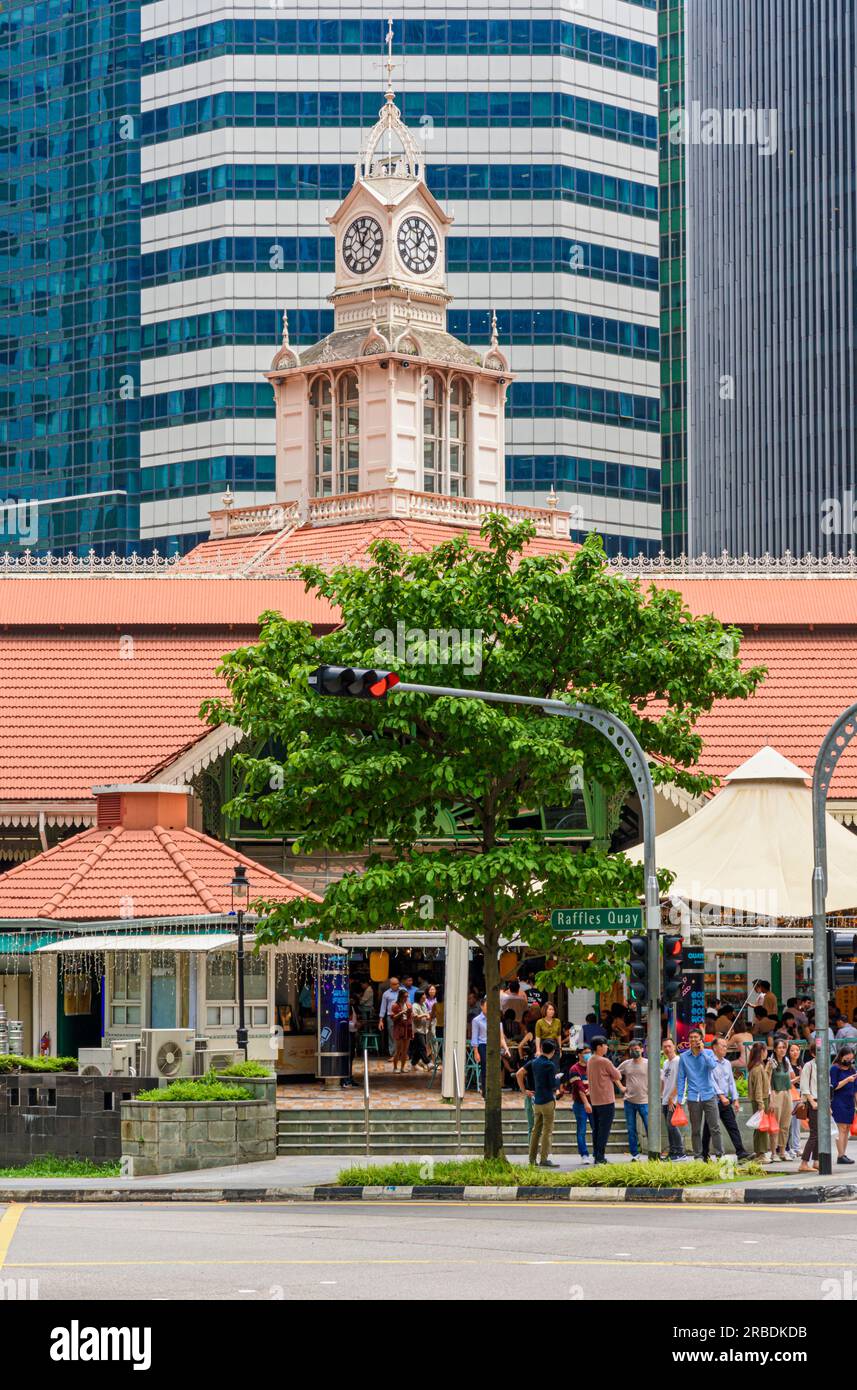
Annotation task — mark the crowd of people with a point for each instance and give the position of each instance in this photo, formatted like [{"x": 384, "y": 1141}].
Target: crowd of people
[{"x": 702, "y": 1069}]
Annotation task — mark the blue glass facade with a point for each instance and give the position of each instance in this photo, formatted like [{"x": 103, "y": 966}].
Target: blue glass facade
[
  {"x": 132, "y": 380},
  {"x": 70, "y": 273}
]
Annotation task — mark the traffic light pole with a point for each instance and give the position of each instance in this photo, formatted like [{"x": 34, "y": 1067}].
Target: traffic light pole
[
  {"x": 838, "y": 736},
  {"x": 628, "y": 746}
]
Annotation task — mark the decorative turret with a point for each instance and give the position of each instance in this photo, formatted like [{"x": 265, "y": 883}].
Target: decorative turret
[{"x": 390, "y": 395}]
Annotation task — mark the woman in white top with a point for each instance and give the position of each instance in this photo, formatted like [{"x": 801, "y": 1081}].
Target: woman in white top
[{"x": 809, "y": 1096}]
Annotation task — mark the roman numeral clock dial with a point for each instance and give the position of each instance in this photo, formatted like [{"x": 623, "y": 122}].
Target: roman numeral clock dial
[
  {"x": 361, "y": 245},
  {"x": 417, "y": 245}
]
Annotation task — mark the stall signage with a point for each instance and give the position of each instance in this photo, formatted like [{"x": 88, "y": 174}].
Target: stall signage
[{"x": 690, "y": 1007}]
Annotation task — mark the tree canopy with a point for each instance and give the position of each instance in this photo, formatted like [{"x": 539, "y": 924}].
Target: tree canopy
[{"x": 358, "y": 775}]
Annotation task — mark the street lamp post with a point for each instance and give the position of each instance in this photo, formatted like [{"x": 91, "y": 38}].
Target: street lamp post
[
  {"x": 631, "y": 751},
  {"x": 836, "y": 740},
  {"x": 240, "y": 898}
]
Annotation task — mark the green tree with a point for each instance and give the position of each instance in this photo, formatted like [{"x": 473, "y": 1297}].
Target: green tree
[{"x": 357, "y": 773}]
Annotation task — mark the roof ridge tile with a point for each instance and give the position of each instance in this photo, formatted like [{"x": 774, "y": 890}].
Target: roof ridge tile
[
  {"x": 94, "y": 857},
  {"x": 198, "y": 885}
]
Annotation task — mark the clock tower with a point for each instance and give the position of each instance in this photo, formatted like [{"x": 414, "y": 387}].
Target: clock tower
[{"x": 390, "y": 399}]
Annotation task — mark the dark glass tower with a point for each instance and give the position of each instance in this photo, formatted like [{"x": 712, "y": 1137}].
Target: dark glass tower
[
  {"x": 673, "y": 281},
  {"x": 772, "y": 257},
  {"x": 70, "y": 275}
]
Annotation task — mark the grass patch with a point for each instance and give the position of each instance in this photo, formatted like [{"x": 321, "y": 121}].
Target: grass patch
[
  {"x": 478, "y": 1172},
  {"x": 53, "y": 1167},
  {"x": 196, "y": 1091}
]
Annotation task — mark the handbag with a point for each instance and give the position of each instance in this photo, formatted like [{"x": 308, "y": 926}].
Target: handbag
[{"x": 801, "y": 1110}]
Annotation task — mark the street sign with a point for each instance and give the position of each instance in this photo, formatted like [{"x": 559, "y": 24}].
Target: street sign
[{"x": 628, "y": 919}]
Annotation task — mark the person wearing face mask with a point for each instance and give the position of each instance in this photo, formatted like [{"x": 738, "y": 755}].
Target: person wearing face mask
[
  {"x": 578, "y": 1085},
  {"x": 634, "y": 1072},
  {"x": 669, "y": 1078}
]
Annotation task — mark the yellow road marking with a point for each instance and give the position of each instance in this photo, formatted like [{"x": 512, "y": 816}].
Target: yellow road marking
[
  {"x": 8, "y": 1225},
  {"x": 423, "y": 1263}
]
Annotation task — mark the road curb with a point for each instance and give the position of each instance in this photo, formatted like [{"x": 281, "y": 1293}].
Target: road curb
[{"x": 663, "y": 1196}]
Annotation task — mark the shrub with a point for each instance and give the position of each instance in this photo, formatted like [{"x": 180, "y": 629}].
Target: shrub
[
  {"x": 10, "y": 1062},
  {"x": 247, "y": 1069},
  {"x": 196, "y": 1091}
]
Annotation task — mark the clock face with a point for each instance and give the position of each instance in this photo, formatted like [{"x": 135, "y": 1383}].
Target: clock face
[
  {"x": 417, "y": 243},
  {"x": 361, "y": 245}
]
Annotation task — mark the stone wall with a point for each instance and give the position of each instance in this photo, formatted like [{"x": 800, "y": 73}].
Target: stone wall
[
  {"x": 63, "y": 1114},
  {"x": 175, "y": 1136}
]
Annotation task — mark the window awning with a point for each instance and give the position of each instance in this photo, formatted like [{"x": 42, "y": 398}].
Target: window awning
[{"x": 199, "y": 941}]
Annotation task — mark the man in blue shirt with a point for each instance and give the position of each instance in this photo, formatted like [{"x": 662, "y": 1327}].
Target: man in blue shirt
[
  {"x": 695, "y": 1085},
  {"x": 538, "y": 1079},
  {"x": 728, "y": 1103}
]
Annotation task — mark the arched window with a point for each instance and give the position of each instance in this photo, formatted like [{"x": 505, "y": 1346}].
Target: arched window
[
  {"x": 458, "y": 402},
  {"x": 433, "y": 434},
  {"x": 322, "y": 427},
  {"x": 348, "y": 434}
]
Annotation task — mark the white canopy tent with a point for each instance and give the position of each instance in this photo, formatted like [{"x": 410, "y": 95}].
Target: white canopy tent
[{"x": 749, "y": 850}]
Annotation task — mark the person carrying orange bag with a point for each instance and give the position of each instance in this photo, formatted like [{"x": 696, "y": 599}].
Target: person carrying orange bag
[
  {"x": 759, "y": 1091},
  {"x": 669, "y": 1078}
]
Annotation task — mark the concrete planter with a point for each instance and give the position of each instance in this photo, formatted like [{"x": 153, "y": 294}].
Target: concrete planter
[
  {"x": 262, "y": 1087},
  {"x": 61, "y": 1113},
  {"x": 177, "y": 1136}
]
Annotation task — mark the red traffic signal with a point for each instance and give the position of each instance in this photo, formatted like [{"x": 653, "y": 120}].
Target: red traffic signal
[
  {"x": 352, "y": 682},
  {"x": 673, "y": 948}
]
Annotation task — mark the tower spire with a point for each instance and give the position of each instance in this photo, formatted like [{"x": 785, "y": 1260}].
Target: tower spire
[{"x": 285, "y": 341}]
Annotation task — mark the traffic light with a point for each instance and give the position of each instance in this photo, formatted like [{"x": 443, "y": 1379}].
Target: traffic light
[
  {"x": 673, "y": 949},
  {"x": 352, "y": 682},
  {"x": 639, "y": 969},
  {"x": 841, "y": 954}
]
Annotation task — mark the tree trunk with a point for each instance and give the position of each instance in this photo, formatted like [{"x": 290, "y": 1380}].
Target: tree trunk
[{"x": 493, "y": 1076}]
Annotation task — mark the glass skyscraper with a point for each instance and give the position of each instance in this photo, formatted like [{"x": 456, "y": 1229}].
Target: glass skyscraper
[
  {"x": 540, "y": 125},
  {"x": 70, "y": 276},
  {"x": 772, "y": 276}
]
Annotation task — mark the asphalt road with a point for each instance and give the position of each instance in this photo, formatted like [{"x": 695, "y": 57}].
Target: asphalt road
[{"x": 358, "y": 1251}]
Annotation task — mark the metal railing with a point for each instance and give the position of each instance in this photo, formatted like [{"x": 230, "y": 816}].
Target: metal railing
[
  {"x": 366, "y": 1117},
  {"x": 456, "y": 1077}
]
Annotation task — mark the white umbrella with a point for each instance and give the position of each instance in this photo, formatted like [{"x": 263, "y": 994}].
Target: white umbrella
[{"x": 750, "y": 848}]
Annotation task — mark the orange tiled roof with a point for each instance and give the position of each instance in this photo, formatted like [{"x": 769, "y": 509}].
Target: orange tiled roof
[
  {"x": 770, "y": 602},
  {"x": 163, "y": 601},
  {"x": 102, "y": 875},
  {"x": 81, "y": 709},
  {"x": 812, "y": 678},
  {"x": 345, "y": 543}
]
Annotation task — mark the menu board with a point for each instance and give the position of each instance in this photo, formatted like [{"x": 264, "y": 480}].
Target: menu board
[{"x": 334, "y": 1007}]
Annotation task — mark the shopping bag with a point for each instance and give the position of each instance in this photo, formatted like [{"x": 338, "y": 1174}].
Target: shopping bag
[
  {"x": 795, "y": 1094},
  {"x": 678, "y": 1117},
  {"x": 854, "y": 1127},
  {"x": 755, "y": 1121},
  {"x": 769, "y": 1124}
]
